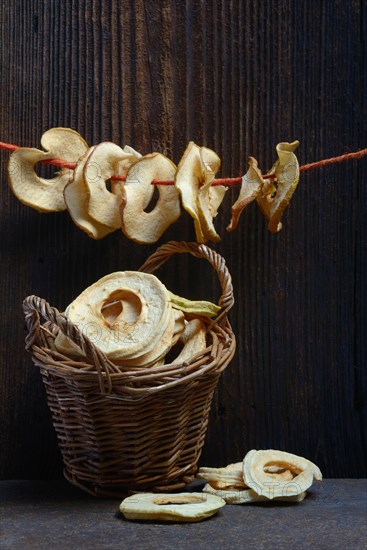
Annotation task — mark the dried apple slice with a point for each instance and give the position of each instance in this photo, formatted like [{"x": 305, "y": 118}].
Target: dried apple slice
[
  {"x": 76, "y": 202},
  {"x": 67, "y": 347},
  {"x": 45, "y": 195},
  {"x": 125, "y": 313},
  {"x": 147, "y": 227},
  {"x": 193, "y": 178},
  {"x": 188, "y": 178},
  {"x": 286, "y": 169},
  {"x": 196, "y": 307},
  {"x": 247, "y": 496},
  {"x": 227, "y": 485},
  {"x": 179, "y": 325},
  {"x": 263, "y": 482},
  {"x": 231, "y": 475},
  {"x": 102, "y": 163},
  {"x": 216, "y": 196},
  {"x": 209, "y": 198},
  {"x": 193, "y": 339},
  {"x": 178, "y": 507},
  {"x": 154, "y": 357},
  {"x": 158, "y": 352},
  {"x": 252, "y": 183}
]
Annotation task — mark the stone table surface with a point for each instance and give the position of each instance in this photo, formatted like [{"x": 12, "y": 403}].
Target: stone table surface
[{"x": 54, "y": 514}]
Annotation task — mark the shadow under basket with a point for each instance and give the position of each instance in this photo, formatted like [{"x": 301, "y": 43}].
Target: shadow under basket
[{"x": 124, "y": 429}]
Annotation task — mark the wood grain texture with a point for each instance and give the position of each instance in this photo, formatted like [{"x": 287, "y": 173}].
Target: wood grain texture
[{"x": 236, "y": 76}]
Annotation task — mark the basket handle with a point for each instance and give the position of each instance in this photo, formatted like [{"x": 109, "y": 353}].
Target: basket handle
[
  {"x": 164, "y": 252},
  {"x": 35, "y": 307}
]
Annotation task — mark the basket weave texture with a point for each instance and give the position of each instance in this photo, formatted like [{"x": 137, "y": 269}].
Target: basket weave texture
[{"x": 126, "y": 429}]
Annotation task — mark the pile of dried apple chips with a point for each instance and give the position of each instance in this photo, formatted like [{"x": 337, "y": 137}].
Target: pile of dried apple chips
[
  {"x": 262, "y": 476},
  {"x": 135, "y": 320}
]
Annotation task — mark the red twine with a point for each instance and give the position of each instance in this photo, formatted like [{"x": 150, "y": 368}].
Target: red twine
[
  {"x": 332, "y": 160},
  {"x": 219, "y": 181}
]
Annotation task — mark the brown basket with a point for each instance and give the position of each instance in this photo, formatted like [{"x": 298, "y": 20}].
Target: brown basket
[{"x": 121, "y": 428}]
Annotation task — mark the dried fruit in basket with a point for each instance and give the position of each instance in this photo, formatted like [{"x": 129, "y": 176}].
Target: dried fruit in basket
[
  {"x": 75, "y": 200},
  {"x": 179, "y": 325},
  {"x": 158, "y": 352},
  {"x": 137, "y": 224},
  {"x": 45, "y": 195},
  {"x": 136, "y": 321},
  {"x": 193, "y": 339},
  {"x": 178, "y": 507},
  {"x": 197, "y": 307},
  {"x": 125, "y": 314}
]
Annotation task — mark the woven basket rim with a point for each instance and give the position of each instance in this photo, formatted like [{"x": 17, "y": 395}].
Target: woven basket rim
[{"x": 135, "y": 381}]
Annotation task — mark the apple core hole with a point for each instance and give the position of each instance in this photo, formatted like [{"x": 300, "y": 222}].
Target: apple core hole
[
  {"x": 122, "y": 305},
  {"x": 189, "y": 499}
]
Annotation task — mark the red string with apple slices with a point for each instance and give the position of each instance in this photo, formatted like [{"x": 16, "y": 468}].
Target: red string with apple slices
[{"x": 219, "y": 181}]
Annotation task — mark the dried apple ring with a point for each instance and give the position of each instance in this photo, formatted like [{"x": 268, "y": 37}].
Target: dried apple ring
[
  {"x": 123, "y": 167},
  {"x": 179, "y": 325},
  {"x": 125, "y": 313},
  {"x": 246, "y": 496},
  {"x": 276, "y": 199},
  {"x": 195, "y": 307},
  {"x": 154, "y": 357},
  {"x": 262, "y": 482},
  {"x": 103, "y": 162},
  {"x": 45, "y": 195},
  {"x": 182, "y": 507},
  {"x": 193, "y": 178},
  {"x": 251, "y": 186},
  {"x": 193, "y": 339},
  {"x": 209, "y": 198},
  {"x": 227, "y": 485},
  {"x": 147, "y": 227},
  {"x": 229, "y": 475},
  {"x": 76, "y": 202}
]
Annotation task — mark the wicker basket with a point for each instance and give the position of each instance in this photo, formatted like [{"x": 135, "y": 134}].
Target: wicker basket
[{"x": 121, "y": 428}]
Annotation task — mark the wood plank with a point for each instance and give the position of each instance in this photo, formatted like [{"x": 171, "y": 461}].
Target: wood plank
[{"x": 237, "y": 77}]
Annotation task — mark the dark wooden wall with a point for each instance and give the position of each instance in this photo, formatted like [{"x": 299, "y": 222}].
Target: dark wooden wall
[{"x": 237, "y": 77}]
